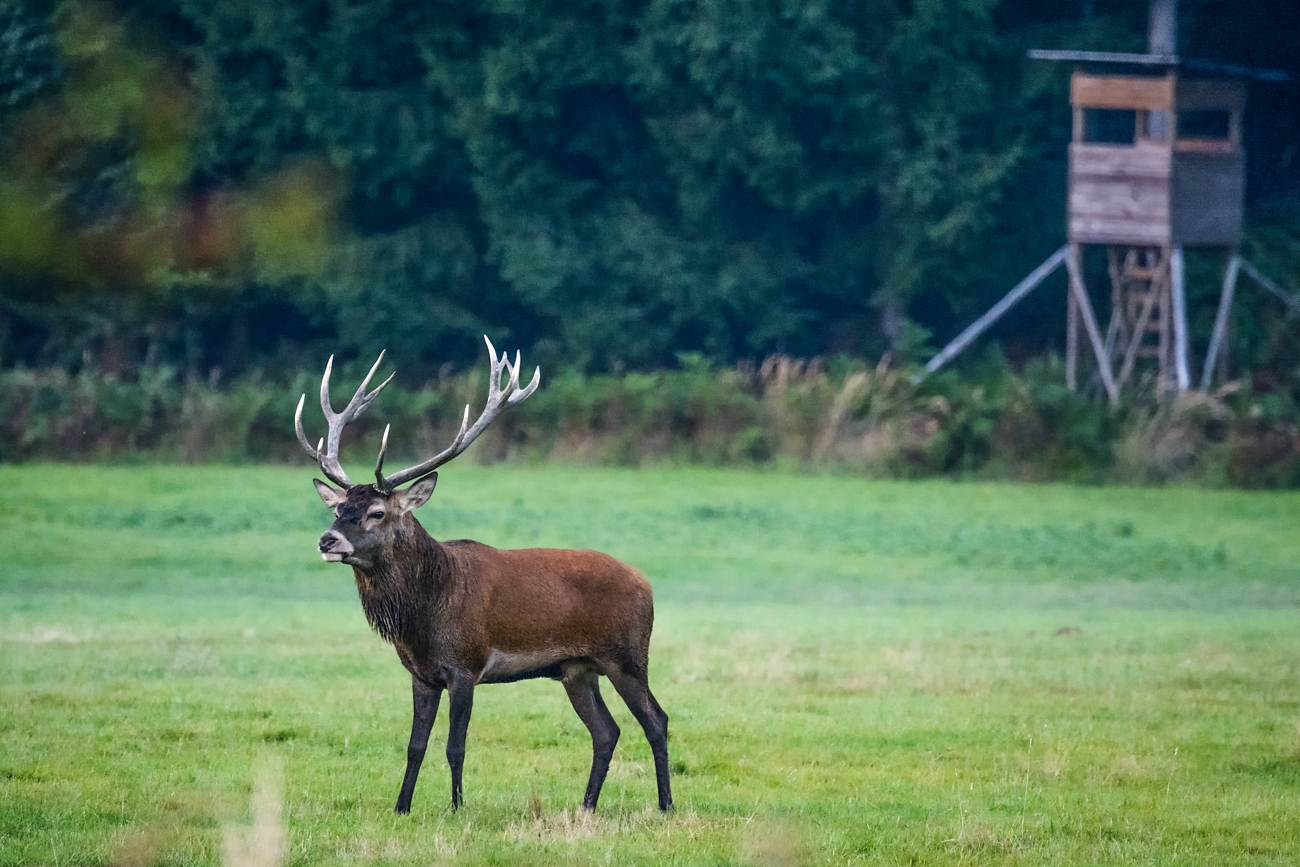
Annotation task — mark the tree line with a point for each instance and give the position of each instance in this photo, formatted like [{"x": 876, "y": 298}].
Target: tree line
[{"x": 223, "y": 188}]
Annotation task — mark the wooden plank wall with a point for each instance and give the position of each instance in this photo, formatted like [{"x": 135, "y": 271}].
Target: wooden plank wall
[
  {"x": 1121, "y": 91},
  {"x": 1118, "y": 194}
]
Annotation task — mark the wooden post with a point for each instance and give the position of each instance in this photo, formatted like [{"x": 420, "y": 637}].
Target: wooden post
[
  {"x": 1073, "y": 264},
  {"x": 1179, "y": 305},
  {"x": 1165, "y": 352},
  {"x": 1162, "y": 27},
  {"x": 1221, "y": 319},
  {"x": 1115, "y": 331},
  {"x": 979, "y": 326},
  {"x": 1071, "y": 341}
]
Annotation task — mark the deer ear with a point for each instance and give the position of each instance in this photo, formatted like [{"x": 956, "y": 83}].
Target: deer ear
[
  {"x": 328, "y": 495},
  {"x": 419, "y": 493}
]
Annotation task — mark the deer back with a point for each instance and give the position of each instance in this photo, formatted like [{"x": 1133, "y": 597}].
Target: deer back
[{"x": 547, "y": 602}]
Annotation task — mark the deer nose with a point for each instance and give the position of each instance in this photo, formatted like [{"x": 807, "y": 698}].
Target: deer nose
[{"x": 333, "y": 542}]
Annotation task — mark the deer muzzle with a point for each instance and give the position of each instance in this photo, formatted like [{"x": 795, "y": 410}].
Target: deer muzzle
[{"x": 333, "y": 546}]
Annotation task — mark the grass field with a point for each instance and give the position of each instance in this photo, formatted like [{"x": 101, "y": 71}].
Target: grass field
[{"x": 857, "y": 673}]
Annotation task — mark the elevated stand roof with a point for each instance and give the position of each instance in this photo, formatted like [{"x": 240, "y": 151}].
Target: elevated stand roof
[{"x": 1159, "y": 62}]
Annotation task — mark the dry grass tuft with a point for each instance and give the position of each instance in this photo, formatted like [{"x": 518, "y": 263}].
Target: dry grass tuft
[
  {"x": 45, "y": 635},
  {"x": 392, "y": 849},
  {"x": 264, "y": 843},
  {"x": 140, "y": 849},
  {"x": 869, "y": 682},
  {"x": 979, "y": 839},
  {"x": 1166, "y": 443},
  {"x": 774, "y": 844},
  {"x": 1055, "y": 763},
  {"x": 905, "y": 660},
  {"x": 535, "y": 811},
  {"x": 565, "y": 826},
  {"x": 576, "y": 826}
]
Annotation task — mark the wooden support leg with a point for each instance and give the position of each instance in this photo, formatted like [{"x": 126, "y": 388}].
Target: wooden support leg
[
  {"x": 1115, "y": 330},
  {"x": 1179, "y": 309},
  {"x": 1221, "y": 319},
  {"x": 979, "y": 326},
  {"x": 1254, "y": 273},
  {"x": 1165, "y": 353},
  {"x": 1222, "y": 366},
  {"x": 1071, "y": 341},
  {"x": 1073, "y": 264}
]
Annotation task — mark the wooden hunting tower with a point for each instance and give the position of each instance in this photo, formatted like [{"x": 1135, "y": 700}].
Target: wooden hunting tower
[{"x": 1155, "y": 165}]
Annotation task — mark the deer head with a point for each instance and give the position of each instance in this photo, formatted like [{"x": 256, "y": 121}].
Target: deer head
[
  {"x": 368, "y": 523},
  {"x": 369, "y": 517}
]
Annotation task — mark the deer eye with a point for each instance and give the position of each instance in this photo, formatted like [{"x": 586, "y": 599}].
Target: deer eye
[{"x": 378, "y": 516}]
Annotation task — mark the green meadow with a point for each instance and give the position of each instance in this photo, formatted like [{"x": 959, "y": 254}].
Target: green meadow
[{"x": 856, "y": 672}]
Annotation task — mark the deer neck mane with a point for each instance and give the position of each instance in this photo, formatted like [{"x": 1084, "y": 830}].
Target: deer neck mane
[{"x": 404, "y": 583}]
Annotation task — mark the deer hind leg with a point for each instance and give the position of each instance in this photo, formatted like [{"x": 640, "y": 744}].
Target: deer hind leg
[
  {"x": 634, "y": 687},
  {"x": 582, "y": 683},
  {"x": 426, "y": 699}
]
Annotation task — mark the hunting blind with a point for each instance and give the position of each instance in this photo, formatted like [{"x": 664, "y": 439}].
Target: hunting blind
[{"x": 1155, "y": 165}]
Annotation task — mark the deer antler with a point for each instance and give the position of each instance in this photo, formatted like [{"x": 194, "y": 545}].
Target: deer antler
[
  {"x": 498, "y": 399},
  {"x": 326, "y": 452}
]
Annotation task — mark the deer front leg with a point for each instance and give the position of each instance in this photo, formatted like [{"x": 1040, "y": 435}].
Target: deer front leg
[
  {"x": 426, "y": 708},
  {"x": 460, "y": 692}
]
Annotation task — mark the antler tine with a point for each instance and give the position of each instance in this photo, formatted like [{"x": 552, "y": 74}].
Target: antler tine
[
  {"x": 297, "y": 428},
  {"x": 360, "y": 401},
  {"x": 325, "y": 391},
  {"x": 514, "y": 373},
  {"x": 379, "y": 463},
  {"x": 497, "y": 400},
  {"x": 464, "y": 425},
  {"x": 529, "y": 389},
  {"x": 326, "y": 452},
  {"x": 370, "y": 398},
  {"x": 494, "y": 378}
]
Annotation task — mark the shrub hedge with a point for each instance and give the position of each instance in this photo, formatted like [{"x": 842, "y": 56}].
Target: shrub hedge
[{"x": 994, "y": 422}]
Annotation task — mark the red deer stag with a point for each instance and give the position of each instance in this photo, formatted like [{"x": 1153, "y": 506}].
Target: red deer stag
[{"x": 462, "y": 613}]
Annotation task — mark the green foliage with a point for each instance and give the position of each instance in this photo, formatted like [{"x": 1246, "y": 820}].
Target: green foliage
[
  {"x": 610, "y": 185},
  {"x": 1027, "y": 425},
  {"x": 994, "y": 423},
  {"x": 29, "y": 61}
]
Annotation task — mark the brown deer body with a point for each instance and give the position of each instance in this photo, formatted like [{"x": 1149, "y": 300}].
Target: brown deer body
[{"x": 461, "y": 613}]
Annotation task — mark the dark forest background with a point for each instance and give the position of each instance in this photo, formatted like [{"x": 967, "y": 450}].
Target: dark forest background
[
  {"x": 236, "y": 189},
  {"x": 239, "y": 184}
]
